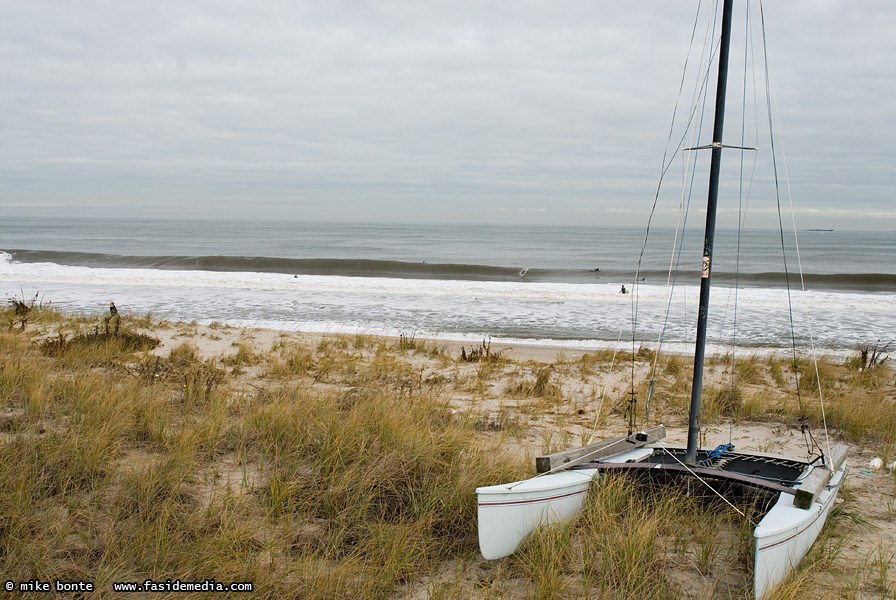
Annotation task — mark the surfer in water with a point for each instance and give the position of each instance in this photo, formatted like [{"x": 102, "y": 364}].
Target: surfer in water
[{"x": 623, "y": 290}]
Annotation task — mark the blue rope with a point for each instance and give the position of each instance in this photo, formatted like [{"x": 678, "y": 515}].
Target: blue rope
[{"x": 719, "y": 451}]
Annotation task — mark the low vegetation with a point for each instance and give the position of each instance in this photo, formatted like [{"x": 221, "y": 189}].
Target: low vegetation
[{"x": 345, "y": 467}]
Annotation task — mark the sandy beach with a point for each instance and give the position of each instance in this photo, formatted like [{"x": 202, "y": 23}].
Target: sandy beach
[{"x": 583, "y": 397}]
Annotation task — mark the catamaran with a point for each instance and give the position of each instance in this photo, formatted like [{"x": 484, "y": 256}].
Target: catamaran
[{"x": 798, "y": 493}]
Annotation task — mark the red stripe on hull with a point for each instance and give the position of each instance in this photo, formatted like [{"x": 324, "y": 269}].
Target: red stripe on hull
[{"x": 531, "y": 500}]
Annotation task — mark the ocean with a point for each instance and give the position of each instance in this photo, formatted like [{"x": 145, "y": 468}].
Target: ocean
[{"x": 543, "y": 285}]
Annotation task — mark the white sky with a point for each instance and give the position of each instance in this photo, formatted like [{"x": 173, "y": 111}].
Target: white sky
[{"x": 515, "y": 111}]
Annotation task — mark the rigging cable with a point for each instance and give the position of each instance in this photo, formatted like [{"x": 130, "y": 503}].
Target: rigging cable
[
  {"x": 810, "y": 440},
  {"x": 743, "y": 201},
  {"x": 693, "y": 474},
  {"x": 711, "y": 48},
  {"x": 700, "y": 86},
  {"x": 603, "y": 390}
]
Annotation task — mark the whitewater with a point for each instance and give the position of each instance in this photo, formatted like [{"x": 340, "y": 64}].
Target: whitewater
[{"x": 541, "y": 285}]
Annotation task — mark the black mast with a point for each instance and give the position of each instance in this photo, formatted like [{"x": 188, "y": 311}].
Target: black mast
[{"x": 712, "y": 200}]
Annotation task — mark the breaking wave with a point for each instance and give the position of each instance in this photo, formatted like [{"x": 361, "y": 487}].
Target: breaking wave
[{"x": 345, "y": 267}]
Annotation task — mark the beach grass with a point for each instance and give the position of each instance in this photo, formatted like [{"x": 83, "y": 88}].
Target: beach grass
[{"x": 344, "y": 466}]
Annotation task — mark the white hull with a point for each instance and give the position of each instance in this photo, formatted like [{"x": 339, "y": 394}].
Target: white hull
[
  {"x": 511, "y": 511},
  {"x": 785, "y": 534}
]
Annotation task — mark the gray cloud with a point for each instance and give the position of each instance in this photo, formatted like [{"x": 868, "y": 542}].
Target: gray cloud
[{"x": 485, "y": 111}]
